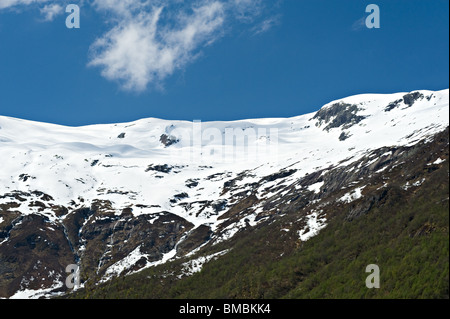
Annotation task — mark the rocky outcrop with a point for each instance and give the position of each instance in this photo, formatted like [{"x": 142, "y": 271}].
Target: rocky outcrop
[
  {"x": 342, "y": 115},
  {"x": 168, "y": 140}
]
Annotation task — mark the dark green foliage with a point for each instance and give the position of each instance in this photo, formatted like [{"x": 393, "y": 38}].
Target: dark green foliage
[
  {"x": 408, "y": 239},
  {"x": 403, "y": 230}
]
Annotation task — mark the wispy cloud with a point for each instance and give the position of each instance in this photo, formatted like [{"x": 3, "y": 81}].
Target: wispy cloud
[
  {"x": 141, "y": 50},
  {"x": 12, "y": 3},
  {"x": 359, "y": 24},
  {"x": 51, "y": 11},
  {"x": 124, "y": 8},
  {"x": 245, "y": 10},
  {"x": 153, "y": 39},
  {"x": 266, "y": 25},
  {"x": 149, "y": 40}
]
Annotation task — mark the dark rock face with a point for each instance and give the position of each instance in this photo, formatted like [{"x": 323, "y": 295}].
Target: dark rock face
[
  {"x": 168, "y": 140},
  {"x": 393, "y": 105},
  {"x": 338, "y": 115},
  {"x": 411, "y": 98},
  {"x": 94, "y": 162},
  {"x": 281, "y": 174},
  {"x": 343, "y": 136},
  {"x": 25, "y": 177},
  {"x": 195, "y": 239},
  {"x": 219, "y": 205},
  {"x": 160, "y": 168},
  {"x": 35, "y": 255},
  {"x": 192, "y": 183},
  {"x": 178, "y": 197},
  {"x": 109, "y": 239},
  {"x": 164, "y": 168},
  {"x": 35, "y": 250},
  {"x": 365, "y": 206}
]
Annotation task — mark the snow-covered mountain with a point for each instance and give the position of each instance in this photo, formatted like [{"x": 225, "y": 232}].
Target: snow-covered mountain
[{"x": 116, "y": 199}]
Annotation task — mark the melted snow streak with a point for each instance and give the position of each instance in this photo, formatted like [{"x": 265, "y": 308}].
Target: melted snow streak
[{"x": 154, "y": 166}]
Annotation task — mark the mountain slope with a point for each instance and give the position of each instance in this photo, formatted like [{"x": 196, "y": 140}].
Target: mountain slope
[
  {"x": 138, "y": 197},
  {"x": 401, "y": 225}
]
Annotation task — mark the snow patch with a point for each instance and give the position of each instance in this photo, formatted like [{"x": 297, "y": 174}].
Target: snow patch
[
  {"x": 125, "y": 263},
  {"x": 316, "y": 187},
  {"x": 437, "y": 162},
  {"x": 352, "y": 196},
  {"x": 39, "y": 293},
  {"x": 69, "y": 163},
  {"x": 415, "y": 184},
  {"x": 193, "y": 266},
  {"x": 313, "y": 225}
]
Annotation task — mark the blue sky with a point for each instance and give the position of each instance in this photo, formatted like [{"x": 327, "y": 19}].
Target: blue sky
[{"x": 212, "y": 59}]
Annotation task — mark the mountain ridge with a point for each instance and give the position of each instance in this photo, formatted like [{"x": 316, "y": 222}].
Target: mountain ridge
[{"x": 119, "y": 198}]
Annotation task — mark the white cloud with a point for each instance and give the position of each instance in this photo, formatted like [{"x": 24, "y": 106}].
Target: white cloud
[
  {"x": 359, "y": 24},
  {"x": 266, "y": 25},
  {"x": 123, "y": 8},
  {"x": 149, "y": 40},
  {"x": 245, "y": 10},
  {"x": 12, "y": 3},
  {"x": 141, "y": 50},
  {"x": 51, "y": 11}
]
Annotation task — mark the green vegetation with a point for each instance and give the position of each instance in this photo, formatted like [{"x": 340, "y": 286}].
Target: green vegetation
[{"x": 407, "y": 237}]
